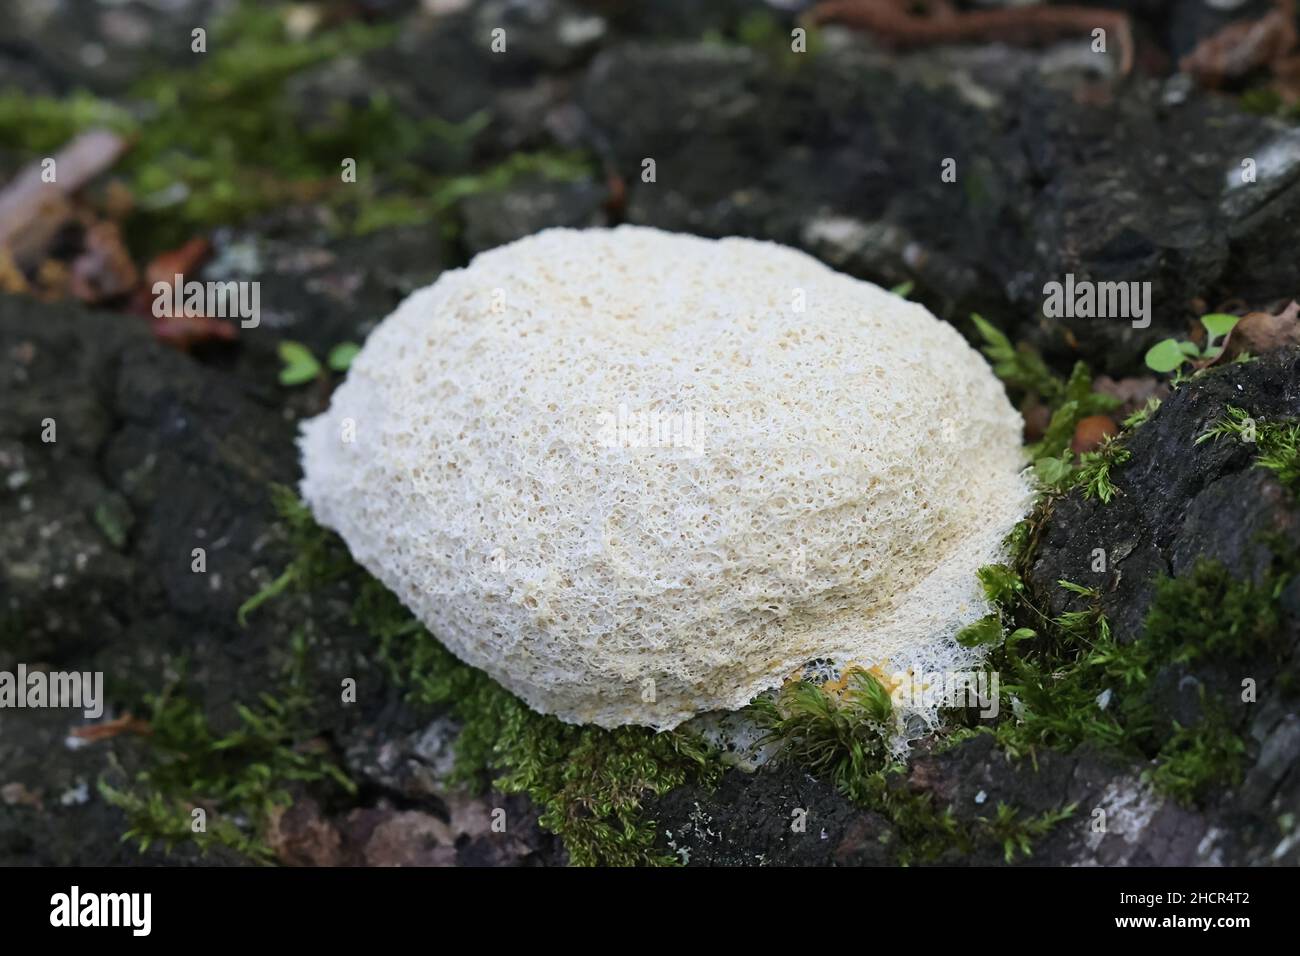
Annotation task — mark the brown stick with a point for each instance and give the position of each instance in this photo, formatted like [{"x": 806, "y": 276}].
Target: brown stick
[
  {"x": 896, "y": 26},
  {"x": 32, "y": 211}
]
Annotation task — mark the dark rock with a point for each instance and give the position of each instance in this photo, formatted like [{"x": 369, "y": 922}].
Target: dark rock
[
  {"x": 156, "y": 455},
  {"x": 495, "y": 218},
  {"x": 102, "y": 47},
  {"x": 779, "y": 817},
  {"x": 1123, "y": 189}
]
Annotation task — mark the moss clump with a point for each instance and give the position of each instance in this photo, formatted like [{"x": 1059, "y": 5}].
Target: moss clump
[
  {"x": 1020, "y": 367},
  {"x": 403, "y": 208},
  {"x": 318, "y": 555},
  {"x": 1093, "y": 475},
  {"x": 841, "y": 735},
  {"x": 1210, "y": 753},
  {"x": 588, "y": 783},
  {"x": 1277, "y": 443},
  {"x": 1208, "y": 614},
  {"x": 237, "y": 778},
  {"x": 1068, "y": 681},
  {"x": 1070, "y": 401},
  {"x": 221, "y": 142},
  {"x": 1016, "y": 834}
]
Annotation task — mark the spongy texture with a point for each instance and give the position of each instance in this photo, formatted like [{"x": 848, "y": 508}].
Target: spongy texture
[{"x": 832, "y": 466}]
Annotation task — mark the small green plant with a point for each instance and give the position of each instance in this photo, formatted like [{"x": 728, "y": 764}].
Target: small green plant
[
  {"x": 318, "y": 555},
  {"x": 842, "y": 737},
  {"x": 1016, "y": 835},
  {"x": 1168, "y": 355},
  {"x": 1093, "y": 475},
  {"x": 299, "y": 366},
  {"x": 1207, "y": 754},
  {"x": 1142, "y": 415},
  {"x": 1020, "y": 367}
]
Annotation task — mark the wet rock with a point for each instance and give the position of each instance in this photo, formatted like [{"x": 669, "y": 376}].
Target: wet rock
[
  {"x": 1116, "y": 188},
  {"x": 189, "y": 452},
  {"x": 103, "y": 47},
  {"x": 1179, "y": 501},
  {"x": 495, "y": 218},
  {"x": 778, "y": 817}
]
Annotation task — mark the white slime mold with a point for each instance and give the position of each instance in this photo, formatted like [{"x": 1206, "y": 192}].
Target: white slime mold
[{"x": 636, "y": 476}]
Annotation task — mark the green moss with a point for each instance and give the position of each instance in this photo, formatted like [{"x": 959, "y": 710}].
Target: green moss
[
  {"x": 437, "y": 196},
  {"x": 318, "y": 555},
  {"x": 1070, "y": 401},
  {"x": 587, "y": 783},
  {"x": 222, "y": 141},
  {"x": 1277, "y": 443},
  {"x": 1208, "y": 614},
  {"x": 1093, "y": 474},
  {"x": 1017, "y": 835},
  {"x": 1194, "y": 760},
  {"x": 1068, "y": 681},
  {"x": 238, "y": 778},
  {"x": 41, "y": 124},
  {"x": 842, "y": 736},
  {"x": 1264, "y": 101},
  {"x": 1020, "y": 367},
  {"x": 1142, "y": 415}
]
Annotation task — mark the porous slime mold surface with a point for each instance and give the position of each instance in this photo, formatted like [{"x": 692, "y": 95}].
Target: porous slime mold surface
[{"x": 637, "y": 476}]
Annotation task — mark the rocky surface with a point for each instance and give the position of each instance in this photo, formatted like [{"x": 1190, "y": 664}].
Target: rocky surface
[
  {"x": 1178, "y": 501},
  {"x": 154, "y": 455},
  {"x": 1061, "y": 169}
]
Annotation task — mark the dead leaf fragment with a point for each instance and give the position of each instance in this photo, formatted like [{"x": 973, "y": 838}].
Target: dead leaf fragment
[
  {"x": 1260, "y": 331},
  {"x": 126, "y": 724}
]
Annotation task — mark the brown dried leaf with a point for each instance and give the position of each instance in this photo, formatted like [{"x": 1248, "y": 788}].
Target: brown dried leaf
[
  {"x": 104, "y": 269},
  {"x": 1241, "y": 47},
  {"x": 126, "y": 724},
  {"x": 186, "y": 259},
  {"x": 1260, "y": 331},
  {"x": 32, "y": 211}
]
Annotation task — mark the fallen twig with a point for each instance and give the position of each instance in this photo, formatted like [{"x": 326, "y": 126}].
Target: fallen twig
[{"x": 894, "y": 23}]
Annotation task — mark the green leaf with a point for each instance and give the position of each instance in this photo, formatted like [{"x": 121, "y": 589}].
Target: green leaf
[
  {"x": 1000, "y": 582},
  {"x": 1021, "y": 634},
  {"x": 904, "y": 288},
  {"x": 1219, "y": 323},
  {"x": 300, "y": 366},
  {"x": 1052, "y": 471},
  {"x": 1165, "y": 356},
  {"x": 991, "y": 334},
  {"x": 1078, "y": 588},
  {"x": 341, "y": 356},
  {"x": 1189, "y": 349},
  {"x": 987, "y": 630}
]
